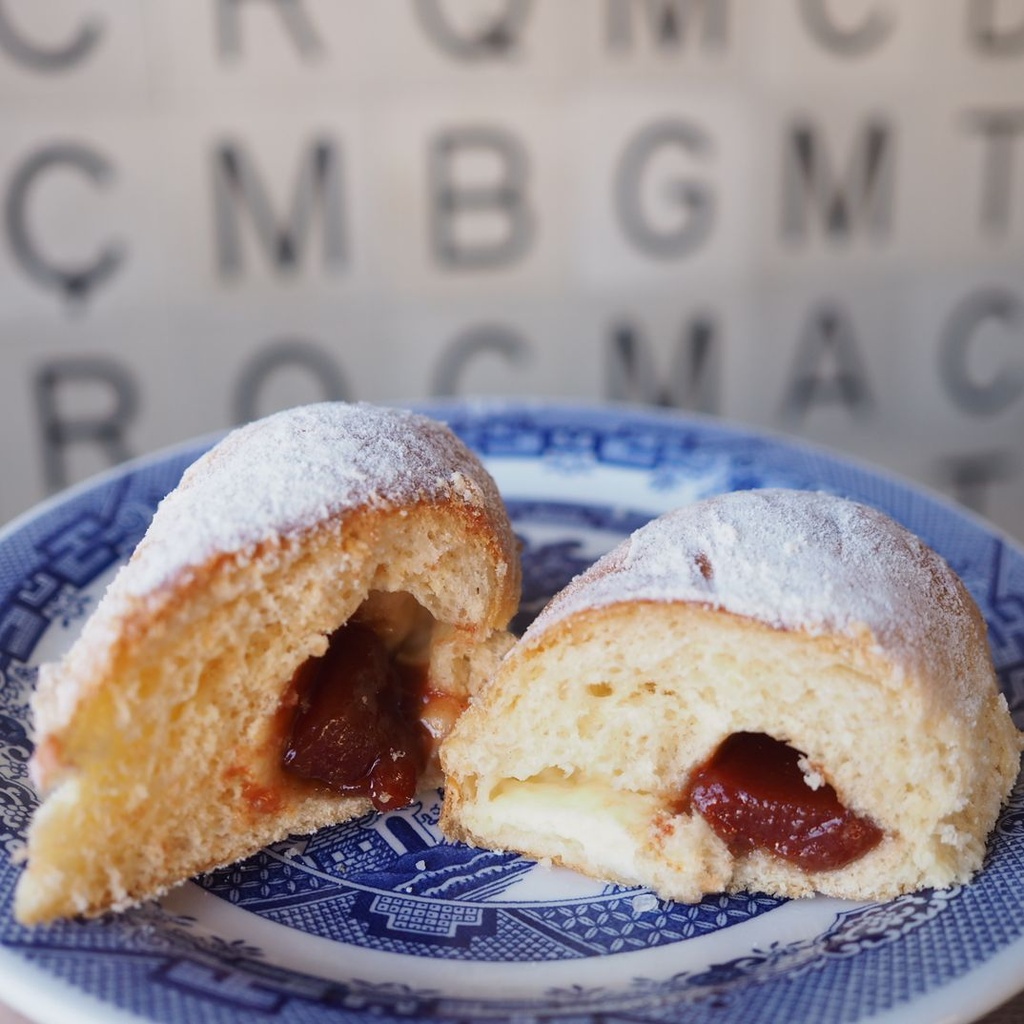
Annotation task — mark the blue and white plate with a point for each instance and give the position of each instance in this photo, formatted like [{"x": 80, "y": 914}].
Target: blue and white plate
[{"x": 381, "y": 920}]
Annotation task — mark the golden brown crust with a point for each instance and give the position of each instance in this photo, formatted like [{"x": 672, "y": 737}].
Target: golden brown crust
[
  {"x": 159, "y": 735},
  {"x": 585, "y": 741}
]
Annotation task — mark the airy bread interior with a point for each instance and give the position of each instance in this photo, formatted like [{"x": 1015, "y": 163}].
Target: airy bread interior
[
  {"x": 582, "y": 748},
  {"x": 160, "y": 734}
]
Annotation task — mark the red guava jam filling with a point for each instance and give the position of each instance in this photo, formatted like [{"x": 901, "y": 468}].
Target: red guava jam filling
[
  {"x": 357, "y": 726},
  {"x": 753, "y": 794}
]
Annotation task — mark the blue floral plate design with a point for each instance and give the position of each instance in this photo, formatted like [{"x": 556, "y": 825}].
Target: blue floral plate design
[{"x": 381, "y": 920}]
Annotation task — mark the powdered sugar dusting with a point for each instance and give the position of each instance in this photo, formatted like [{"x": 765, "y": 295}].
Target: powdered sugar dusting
[
  {"x": 794, "y": 560},
  {"x": 282, "y": 474}
]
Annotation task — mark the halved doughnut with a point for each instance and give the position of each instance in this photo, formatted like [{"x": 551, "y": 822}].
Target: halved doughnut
[
  {"x": 776, "y": 691},
  {"x": 191, "y": 721}
]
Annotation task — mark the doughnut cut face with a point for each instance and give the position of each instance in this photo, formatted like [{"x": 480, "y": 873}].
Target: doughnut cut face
[
  {"x": 592, "y": 758},
  {"x": 163, "y": 733},
  {"x": 589, "y": 746}
]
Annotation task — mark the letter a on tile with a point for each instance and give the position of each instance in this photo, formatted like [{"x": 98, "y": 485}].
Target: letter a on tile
[{"x": 829, "y": 368}]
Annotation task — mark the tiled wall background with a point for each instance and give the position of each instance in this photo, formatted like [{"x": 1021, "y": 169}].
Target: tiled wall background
[{"x": 806, "y": 215}]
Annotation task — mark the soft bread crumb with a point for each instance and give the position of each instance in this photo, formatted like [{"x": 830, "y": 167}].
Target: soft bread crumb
[
  {"x": 806, "y": 617},
  {"x": 160, "y": 732}
]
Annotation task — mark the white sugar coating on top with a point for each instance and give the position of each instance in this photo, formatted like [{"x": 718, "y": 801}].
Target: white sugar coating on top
[
  {"x": 793, "y": 560},
  {"x": 286, "y": 472}
]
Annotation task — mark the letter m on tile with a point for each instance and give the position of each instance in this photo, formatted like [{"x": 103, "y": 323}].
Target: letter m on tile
[
  {"x": 240, "y": 193},
  {"x": 860, "y": 197}
]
